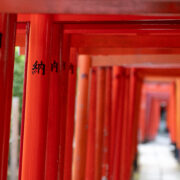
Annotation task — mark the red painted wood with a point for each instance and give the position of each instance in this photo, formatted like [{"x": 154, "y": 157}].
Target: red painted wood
[
  {"x": 107, "y": 123},
  {"x": 166, "y": 71},
  {"x": 123, "y": 163},
  {"x": 105, "y": 18},
  {"x": 154, "y": 118},
  {"x": 126, "y": 27},
  {"x": 131, "y": 124},
  {"x": 128, "y": 51},
  {"x": 81, "y": 125},
  {"x": 70, "y": 117},
  {"x": 8, "y": 30},
  {"x": 142, "y": 114},
  {"x": 37, "y": 98},
  {"x": 114, "y": 114},
  {"x": 65, "y": 57},
  {"x": 177, "y": 113},
  {"x": 171, "y": 112},
  {"x": 20, "y": 39},
  {"x": 24, "y": 17},
  {"x": 24, "y": 99},
  {"x": 138, "y": 92},
  {"x": 152, "y": 92},
  {"x": 99, "y": 122},
  {"x": 53, "y": 126},
  {"x": 90, "y": 156},
  {"x": 21, "y": 33},
  {"x": 119, "y": 124},
  {"x": 132, "y": 41},
  {"x": 68, "y": 18},
  {"x": 135, "y": 114}
]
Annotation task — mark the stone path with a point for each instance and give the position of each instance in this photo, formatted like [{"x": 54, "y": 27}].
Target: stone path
[{"x": 157, "y": 162}]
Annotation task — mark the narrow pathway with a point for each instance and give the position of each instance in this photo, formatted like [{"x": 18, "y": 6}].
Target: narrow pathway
[{"x": 157, "y": 162}]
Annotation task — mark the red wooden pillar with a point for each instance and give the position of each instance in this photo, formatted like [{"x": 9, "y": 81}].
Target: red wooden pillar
[
  {"x": 65, "y": 56},
  {"x": 123, "y": 164},
  {"x": 79, "y": 156},
  {"x": 37, "y": 98},
  {"x": 70, "y": 114},
  {"x": 107, "y": 121},
  {"x": 118, "y": 150},
  {"x": 99, "y": 122},
  {"x": 53, "y": 128},
  {"x": 8, "y": 30},
  {"x": 137, "y": 111},
  {"x": 24, "y": 99},
  {"x": 178, "y": 113},
  {"x": 115, "y": 94},
  {"x": 90, "y": 157},
  {"x": 171, "y": 113},
  {"x": 131, "y": 124},
  {"x": 142, "y": 114},
  {"x": 135, "y": 116},
  {"x": 154, "y": 118}
]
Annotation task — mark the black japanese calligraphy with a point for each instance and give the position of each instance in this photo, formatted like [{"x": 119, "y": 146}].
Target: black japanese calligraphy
[
  {"x": 37, "y": 67},
  {"x": 54, "y": 65}
]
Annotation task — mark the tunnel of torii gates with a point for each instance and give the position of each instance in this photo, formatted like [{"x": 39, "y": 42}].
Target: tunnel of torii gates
[{"x": 114, "y": 60}]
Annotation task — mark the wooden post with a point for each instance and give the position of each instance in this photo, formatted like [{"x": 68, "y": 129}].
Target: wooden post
[
  {"x": 107, "y": 122},
  {"x": 79, "y": 156},
  {"x": 70, "y": 114},
  {"x": 137, "y": 103},
  {"x": 142, "y": 113},
  {"x": 65, "y": 56},
  {"x": 131, "y": 124},
  {"x": 123, "y": 164},
  {"x": 24, "y": 100},
  {"x": 171, "y": 112},
  {"x": 37, "y": 99},
  {"x": 53, "y": 127},
  {"x": 178, "y": 113},
  {"x": 90, "y": 157},
  {"x": 115, "y": 94},
  {"x": 118, "y": 150},
  {"x": 8, "y": 30},
  {"x": 99, "y": 122}
]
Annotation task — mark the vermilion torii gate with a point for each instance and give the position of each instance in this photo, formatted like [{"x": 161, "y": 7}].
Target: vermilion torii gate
[{"x": 104, "y": 134}]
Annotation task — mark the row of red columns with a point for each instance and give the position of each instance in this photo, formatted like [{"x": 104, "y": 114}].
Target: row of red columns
[
  {"x": 99, "y": 139},
  {"x": 49, "y": 118},
  {"x": 104, "y": 119},
  {"x": 153, "y": 94},
  {"x": 152, "y": 97},
  {"x": 94, "y": 155},
  {"x": 50, "y": 99}
]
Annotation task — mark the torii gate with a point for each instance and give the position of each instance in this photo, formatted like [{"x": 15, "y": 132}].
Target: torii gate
[{"x": 54, "y": 43}]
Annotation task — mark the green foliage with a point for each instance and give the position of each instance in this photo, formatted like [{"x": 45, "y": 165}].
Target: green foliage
[{"x": 18, "y": 76}]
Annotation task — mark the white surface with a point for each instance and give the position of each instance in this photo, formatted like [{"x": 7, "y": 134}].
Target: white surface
[{"x": 157, "y": 161}]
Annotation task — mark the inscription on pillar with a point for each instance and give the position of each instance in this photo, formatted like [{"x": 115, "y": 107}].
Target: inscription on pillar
[
  {"x": 54, "y": 66},
  {"x": 40, "y": 68}
]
